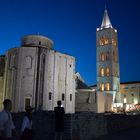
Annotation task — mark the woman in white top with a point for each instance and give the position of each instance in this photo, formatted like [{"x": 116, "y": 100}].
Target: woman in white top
[{"x": 26, "y": 128}]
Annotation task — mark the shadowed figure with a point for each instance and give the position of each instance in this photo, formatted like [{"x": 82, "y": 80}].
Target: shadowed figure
[
  {"x": 26, "y": 129},
  {"x": 6, "y": 122},
  {"x": 59, "y": 121}
]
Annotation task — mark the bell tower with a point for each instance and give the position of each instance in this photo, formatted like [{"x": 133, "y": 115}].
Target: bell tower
[{"x": 108, "y": 76}]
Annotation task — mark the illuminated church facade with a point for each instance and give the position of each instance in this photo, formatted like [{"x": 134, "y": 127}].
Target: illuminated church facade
[{"x": 37, "y": 75}]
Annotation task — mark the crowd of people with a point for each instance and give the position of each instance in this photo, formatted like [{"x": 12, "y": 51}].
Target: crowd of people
[{"x": 7, "y": 127}]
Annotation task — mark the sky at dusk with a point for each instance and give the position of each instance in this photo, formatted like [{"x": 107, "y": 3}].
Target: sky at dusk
[{"x": 72, "y": 24}]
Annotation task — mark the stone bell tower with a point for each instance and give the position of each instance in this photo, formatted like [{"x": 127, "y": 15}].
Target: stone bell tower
[{"x": 108, "y": 76}]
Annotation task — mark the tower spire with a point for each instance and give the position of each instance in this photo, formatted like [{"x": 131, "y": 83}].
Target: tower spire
[{"x": 106, "y": 21}]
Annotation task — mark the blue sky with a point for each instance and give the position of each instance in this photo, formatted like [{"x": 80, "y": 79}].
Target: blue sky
[{"x": 72, "y": 24}]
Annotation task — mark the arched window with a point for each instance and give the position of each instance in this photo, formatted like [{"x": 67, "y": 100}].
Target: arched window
[
  {"x": 28, "y": 62},
  {"x": 107, "y": 86},
  {"x": 107, "y": 71},
  {"x": 70, "y": 97},
  {"x": 102, "y": 87},
  {"x": 114, "y": 42},
  {"x": 101, "y": 41},
  {"x": 103, "y": 57},
  {"x": 106, "y": 40},
  {"x": 12, "y": 61},
  {"x": 63, "y": 96},
  {"x": 50, "y": 95},
  {"x": 107, "y": 56},
  {"x": 102, "y": 72}
]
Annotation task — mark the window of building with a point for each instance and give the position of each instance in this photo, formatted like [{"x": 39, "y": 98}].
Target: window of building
[
  {"x": 95, "y": 97},
  {"x": 101, "y": 41},
  {"x": 28, "y": 62},
  {"x": 70, "y": 97},
  {"x": 107, "y": 86},
  {"x": 63, "y": 96},
  {"x": 12, "y": 61},
  {"x": 27, "y": 102},
  {"x": 102, "y": 72},
  {"x": 102, "y": 87},
  {"x": 106, "y": 40},
  {"x": 124, "y": 100},
  {"x": 114, "y": 42},
  {"x": 107, "y": 56},
  {"x": 107, "y": 71},
  {"x": 132, "y": 97},
  {"x": 103, "y": 57},
  {"x": 50, "y": 95}
]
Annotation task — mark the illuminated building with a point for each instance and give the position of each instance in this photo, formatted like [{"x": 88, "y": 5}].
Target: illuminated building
[
  {"x": 37, "y": 75},
  {"x": 108, "y": 77}
]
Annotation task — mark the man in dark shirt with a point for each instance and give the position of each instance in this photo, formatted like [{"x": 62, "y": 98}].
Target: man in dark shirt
[{"x": 59, "y": 121}]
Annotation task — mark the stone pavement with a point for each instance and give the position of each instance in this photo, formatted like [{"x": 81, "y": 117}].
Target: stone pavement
[{"x": 131, "y": 134}]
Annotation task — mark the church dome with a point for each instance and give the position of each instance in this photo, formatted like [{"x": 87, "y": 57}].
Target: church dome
[{"x": 36, "y": 41}]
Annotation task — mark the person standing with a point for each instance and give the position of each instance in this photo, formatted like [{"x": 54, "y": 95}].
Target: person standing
[
  {"x": 6, "y": 122},
  {"x": 59, "y": 121},
  {"x": 26, "y": 127}
]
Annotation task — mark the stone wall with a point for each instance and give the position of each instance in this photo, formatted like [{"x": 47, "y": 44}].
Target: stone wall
[
  {"x": 85, "y": 101},
  {"x": 119, "y": 122},
  {"x": 79, "y": 126}
]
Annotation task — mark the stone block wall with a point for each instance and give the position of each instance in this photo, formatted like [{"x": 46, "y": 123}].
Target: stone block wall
[
  {"x": 78, "y": 126},
  {"x": 119, "y": 122}
]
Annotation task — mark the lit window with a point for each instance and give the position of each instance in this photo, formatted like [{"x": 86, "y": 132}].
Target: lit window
[
  {"x": 106, "y": 41},
  {"x": 102, "y": 87},
  {"x": 114, "y": 42},
  {"x": 63, "y": 96},
  {"x": 107, "y": 72},
  {"x": 125, "y": 100},
  {"x": 101, "y": 41},
  {"x": 103, "y": 57},
  {"x": 108, "y": 86},
  {"x": 102, "y": 72}
]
